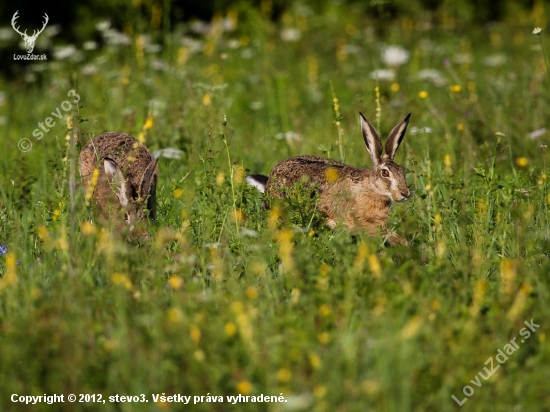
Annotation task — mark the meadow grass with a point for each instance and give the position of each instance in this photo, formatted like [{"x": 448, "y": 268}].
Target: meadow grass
[{"x": 229, "y": 297}]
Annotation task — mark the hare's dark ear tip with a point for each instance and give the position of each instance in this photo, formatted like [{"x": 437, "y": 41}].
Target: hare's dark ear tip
[
  {"x": 407, "y": 118},
  {"x": 361, "y": 115}
]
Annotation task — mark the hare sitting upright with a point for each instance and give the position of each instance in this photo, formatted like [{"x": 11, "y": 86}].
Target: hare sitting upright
[
  {"x": 121, "y": 176},
  {"x": 349, "y": 195}
]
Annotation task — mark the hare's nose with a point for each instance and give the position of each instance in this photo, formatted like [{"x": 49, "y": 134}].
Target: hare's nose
[{"x": 406, "y": 194}]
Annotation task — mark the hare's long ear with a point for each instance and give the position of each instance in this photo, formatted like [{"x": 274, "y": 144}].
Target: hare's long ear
[
  {"x": 148, "y": 187},
  {"x": 395, "y": 137},
  {"x": 116, "y": 180},
  {"x": 372, "y": 140},
  {"x": 149, "y": 178}
]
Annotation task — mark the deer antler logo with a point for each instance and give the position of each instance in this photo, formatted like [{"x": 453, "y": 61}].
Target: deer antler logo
[{"x": 29, "y": 40}]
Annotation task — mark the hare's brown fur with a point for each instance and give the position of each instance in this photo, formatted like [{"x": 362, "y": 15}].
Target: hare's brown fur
[
  {"x": 137, "y": 170},
  {"x": 357, "y": 198}
]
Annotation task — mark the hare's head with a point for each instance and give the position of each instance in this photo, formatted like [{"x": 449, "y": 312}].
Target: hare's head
[
  {"x": 389, "y": 177},
  {"x": 138, "y": 203}
]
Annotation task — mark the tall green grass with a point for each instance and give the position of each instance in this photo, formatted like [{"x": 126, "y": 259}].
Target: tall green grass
[{"x": 229, "y": 297}]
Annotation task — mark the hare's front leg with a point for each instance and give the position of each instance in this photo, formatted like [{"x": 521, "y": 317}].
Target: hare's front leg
[{"x": 394, "y": 239}]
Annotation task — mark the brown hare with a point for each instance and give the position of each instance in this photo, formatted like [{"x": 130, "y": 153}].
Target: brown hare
[
  {"x": 125, "y": 181},
  {"x": 358, "y": 198}
]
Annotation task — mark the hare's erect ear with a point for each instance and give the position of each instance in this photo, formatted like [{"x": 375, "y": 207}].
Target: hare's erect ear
[
  {"x": 395, "y": 137},
  {"x": 372, "y": 140},
  {"x": 149, "y": 178},
  {"x": 148, "y": 187},
  {"x": 116, "y": 180}
]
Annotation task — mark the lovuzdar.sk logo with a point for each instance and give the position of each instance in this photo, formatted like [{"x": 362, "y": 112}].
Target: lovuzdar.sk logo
[{"x": 29, "y": 40}]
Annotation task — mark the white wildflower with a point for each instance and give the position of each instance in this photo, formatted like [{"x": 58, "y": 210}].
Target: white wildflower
[
  {"x": 290, "y": 137},
  {"x": 153, "y": 48},
  {"x": 417, "y": 130},
  {"x": 63, "y": 52},
  {"x": 382, "y": 74},
  {"x": 248, "y": 233},
  {"x": 6, "y": 33},
  {"x": 229, "y": 24},
  {"x": 495, "y": 60},
  {"x": 115, "y": 38},
  {"x": 157, "y": 106},
  {"x": 256, "y": 105},
  {"x": 297, "y": 402},
  {"x": 89, "y": 69},
  {"x": 103, "y": 25},
  {"x": 537, "y": 133},
  {"x": 200, "y": 27},
  {"x": 537, "y": 30},
  {"x": 395, "y": 55},
  {"x": 247, "y": 53},
  {"x": 290, "y": 34},
  {"x": 233, "y": 44},
  {"x": 432, "y": 75},
  {"x": 157, "y": 64},
  {"x": 463, "y": 58},
  {"x": 168, "y": 153},
  {"x": 89, "y": 45},
  {"x": 52, "y": 30},
  {"x": 192, "y": 45}
]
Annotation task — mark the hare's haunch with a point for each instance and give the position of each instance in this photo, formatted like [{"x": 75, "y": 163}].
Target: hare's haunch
[{"x": 349, "y": 195}]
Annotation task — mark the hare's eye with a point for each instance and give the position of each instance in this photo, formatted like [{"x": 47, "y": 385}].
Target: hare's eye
[{"x": 385, "y": 173}]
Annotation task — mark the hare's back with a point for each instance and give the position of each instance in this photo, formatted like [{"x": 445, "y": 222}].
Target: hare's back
[
  {"x": 126, "y": 151},
  {"x": 308, "y": 169}
]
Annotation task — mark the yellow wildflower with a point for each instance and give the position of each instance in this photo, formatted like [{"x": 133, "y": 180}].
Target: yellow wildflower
[
  {"x": 230, "y": 329},
  {"x": 412, "y": 327},
  {"x": 148, "y": 122},
  {"x": 252, "y": 292},
  {"x": 324, "y": 310},
  {"x": 522, "y": 161},
  {"x": 331, "y": 175},
  {"x": 175, "y": 282},
  {"x": 284, "y": 375},
  {"x": 177, "y": 193},
  {"x": 174, "y": 315},
  {"x": 323, "y": 337},
  {"x": 319, "y": 391},
  {"x": 195, "y": 334},
  {"x": 324, "y": 269},
  {"x": 244, "y": 387},
  {"x": 88, "y": 229},
  {"x": 121, "y": 279},
  {"x": 314, "y": 360}
]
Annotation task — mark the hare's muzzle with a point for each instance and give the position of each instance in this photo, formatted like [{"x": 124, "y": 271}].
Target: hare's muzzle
[{"x": 405, "y": 195}]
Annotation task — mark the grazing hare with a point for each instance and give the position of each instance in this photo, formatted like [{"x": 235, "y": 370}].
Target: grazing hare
[
  {"x": 125, "y": 180},
  {"x": 349, "y": 195}
]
